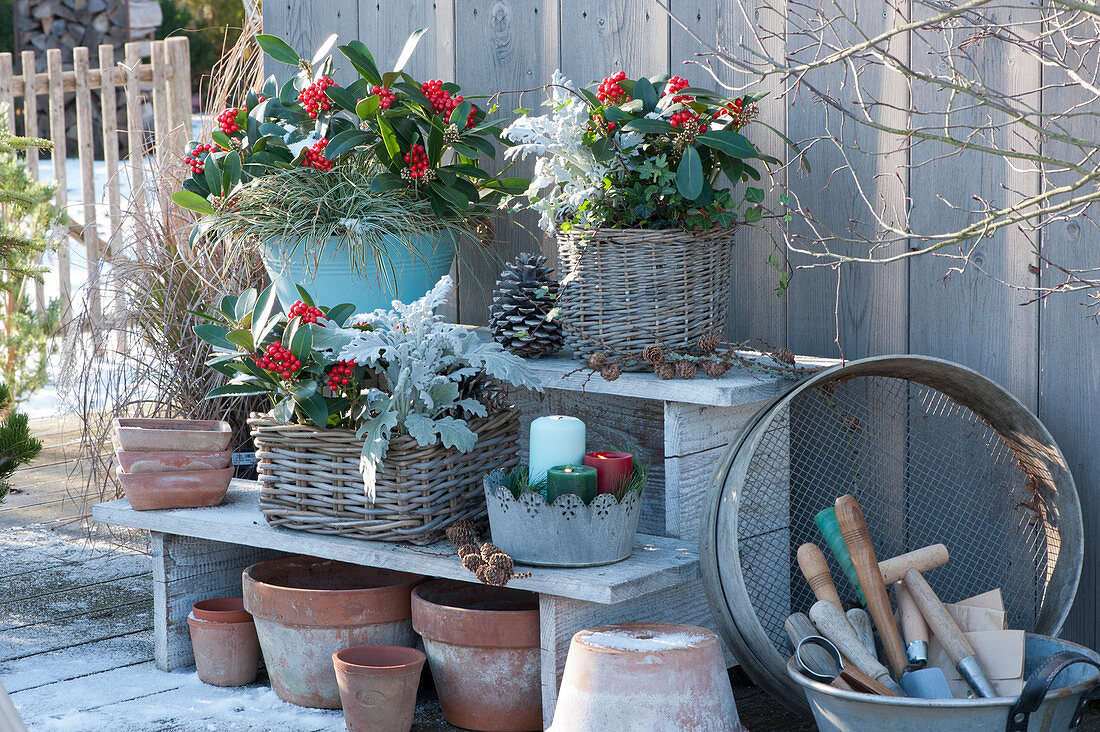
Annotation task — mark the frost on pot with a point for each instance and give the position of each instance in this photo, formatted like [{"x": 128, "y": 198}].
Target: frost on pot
[{"x": 421, "y": 363}]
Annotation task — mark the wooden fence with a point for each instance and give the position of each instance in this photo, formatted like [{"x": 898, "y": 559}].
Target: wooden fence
[
  {"x": 156, "y": 73},
  {"x": 1042, "y": 353}
]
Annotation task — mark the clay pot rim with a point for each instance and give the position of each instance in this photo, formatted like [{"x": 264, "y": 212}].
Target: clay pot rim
[
  {"x": 416, "y": 661},
  {"x": 233, "y": 614},
  {"x": 468, "y": 626},
  {"x": 154, "y": 454},
  {"x": 415, "y": 578},
  {"x": 706, "y": 637},
  {"x": 214, "y": 473}
]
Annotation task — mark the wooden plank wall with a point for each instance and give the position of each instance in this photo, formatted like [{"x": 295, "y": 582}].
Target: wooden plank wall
[{"x": 1041, "y": 352}]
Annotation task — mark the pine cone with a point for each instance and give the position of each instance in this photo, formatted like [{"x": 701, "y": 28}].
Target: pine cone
[
  {"x": 486, "y": 389},
  {"x": 521, "y": 315},
  {"x": 502, "y": 561},
  {"x": 785, "y": 355},
  {"x": 462, "y": 532},
  {"x": 488, "y": 550},
  {"x": 597, "y": 361},
  {"x": 686, "y": 369},
  {"x": 465, "y": 550},
  {"x": 708, "y": 342},
  {"x": 714, "y": 368},
  {"x": 611, "y": 371},
  {"x": 473, "y": 562},
  {"x": 653, "y": 354},
  {"x": 665, "y": 370}
]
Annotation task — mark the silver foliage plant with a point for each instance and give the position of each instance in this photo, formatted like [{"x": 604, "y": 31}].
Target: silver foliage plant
[{"x": 421, "y": 359}]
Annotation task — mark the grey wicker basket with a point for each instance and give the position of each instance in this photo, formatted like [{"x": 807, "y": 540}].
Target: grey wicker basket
[
  {"x": 623, "y": 289},
  {"x": 311, "y": 481}
]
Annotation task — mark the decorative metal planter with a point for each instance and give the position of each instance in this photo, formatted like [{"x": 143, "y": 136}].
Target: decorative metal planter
[{"x": 566, "y": 533}]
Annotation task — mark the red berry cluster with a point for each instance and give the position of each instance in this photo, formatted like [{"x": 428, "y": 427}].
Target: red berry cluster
[
  {"x": 680, "y": 119},
  {"x": 194, "y": 159},
  {"x": 315, "y": 156},
  {"x": 313, "y": 97},
  {"x": 260, "y": 98},
  {"x": 227, "y": 120},
  {"x": 443, "y": 102},
  {"x": 599, "y": 123},
  {"x": 674, "y": 85},
  {"x": 417, "y": 160},
  {"x": 279, "y": 360},
  {"x": 610, "y": 92},
  {"x": 733, "y": 109},
  {"x": 307, "y": 313},
  {"x": 340, "y": 375},
  {"x": 385, "y": 96}
]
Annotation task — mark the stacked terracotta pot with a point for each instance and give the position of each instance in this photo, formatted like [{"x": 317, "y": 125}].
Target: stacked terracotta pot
[
  {"x": 223, "y": 636},
  {"x": 173, "y": 463}
]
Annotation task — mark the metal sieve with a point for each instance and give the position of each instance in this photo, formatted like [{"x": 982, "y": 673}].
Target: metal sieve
[{"x": 935, "y": 453}]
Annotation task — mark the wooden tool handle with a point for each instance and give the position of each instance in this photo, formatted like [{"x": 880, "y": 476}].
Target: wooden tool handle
[
  {"x": 924, "y": 559},
  {"x": 859, "y": 681},
  {"x": 854, "y": 528},
  {"x": 913, "y": 626},
  {"x": 816, "y": 571},
  {"x": 832, "y": 624},
  {"x": 939, "y": 620},
  {"x": 799, "y": 626},
  {"x": 861, "y": 624}
]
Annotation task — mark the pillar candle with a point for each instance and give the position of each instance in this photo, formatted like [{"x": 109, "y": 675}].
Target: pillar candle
[
  {"x": 613, "y": 469},
  {"x": 578, "y": 479},
  {"x": 555, "y": 440}
]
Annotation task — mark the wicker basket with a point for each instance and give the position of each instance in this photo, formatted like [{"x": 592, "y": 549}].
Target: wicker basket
[
  {"x": 311, "y": 480},
  {"x": 632, "y": 287}
]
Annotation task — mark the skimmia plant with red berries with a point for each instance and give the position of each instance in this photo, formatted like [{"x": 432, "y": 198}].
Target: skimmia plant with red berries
[
  {"x": 267, "y": 353},
  {"x": 647, "y": 152},
  {"x": 423, "y": 137}
]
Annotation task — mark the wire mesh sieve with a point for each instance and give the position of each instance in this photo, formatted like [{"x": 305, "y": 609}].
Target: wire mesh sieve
[{"x": 935, "y": 453}]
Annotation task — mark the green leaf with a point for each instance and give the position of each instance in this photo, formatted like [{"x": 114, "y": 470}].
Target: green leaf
[
  {"x": 340, "y": 313},
  {"x": 362, "y": 60},
  {"x": 221, "y": 138},
  {"x": 304, "y": 296},
  {"x": 753, "y": 214},
  {"x": 386, "y": 182},
  {"x": 213, "y": 175},
  {"x": 482, "y": 145},
  {"x": 513, "y": 186},
  {"x": 460, "y": 113},
  {"x": 731, "y": 143},
  {"x": 344, "y": 142},
  {"x": 689, "y": 174},
  {"x": 228, "y": 306},
  {"x": 284, "y": 411},
  {"x": 315, "y": 407},
  {"x": 470, "y": 171},
  {"x": 343, "y": 98},
  {"x": 262, "y": 322},
  {"x": 242, "y": 338},
  {"x": 643, "y": 89},
  {"x": 435, "y": 143},
  {"x": 390, "y": 139},
  {"x": 237, "y": 390},
  {"x": 410, "y": 46},
  {"x": 231, "y": 174},
  {"x": 367, "y": 107},
  {"x": 649, "y": 125},
  {"x": 244, "y": 304},
  {"x": 301, "y": 342},
  {"x": 192, "y": 202},
  {"x": 214, "y": 335},
  {"x": 451, "y": 195},
  {"x": 754, "y": 195},
  {"x": 325, "y": 50},
  {"x": 278, "y": 49},
  {"x": 304, "y": 389}
]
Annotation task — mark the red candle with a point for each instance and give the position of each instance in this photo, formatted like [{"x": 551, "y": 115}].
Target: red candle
[{"x": 613, "y": 469}]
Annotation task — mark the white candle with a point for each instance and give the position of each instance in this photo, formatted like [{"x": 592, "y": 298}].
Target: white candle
[{"x": 555, "y": 440}]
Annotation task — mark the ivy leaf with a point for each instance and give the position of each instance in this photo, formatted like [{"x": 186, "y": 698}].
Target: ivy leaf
[
  {"x": 689, "y": 174},
  {"x": 278, "y": 49},
  {"x": 754, "y": 195}
]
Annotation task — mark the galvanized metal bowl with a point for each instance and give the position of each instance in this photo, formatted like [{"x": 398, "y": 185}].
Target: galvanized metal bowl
[{"x": 566, "y": 533}]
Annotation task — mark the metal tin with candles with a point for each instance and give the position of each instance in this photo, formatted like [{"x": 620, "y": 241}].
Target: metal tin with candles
[{"x": 565, "y": 533}]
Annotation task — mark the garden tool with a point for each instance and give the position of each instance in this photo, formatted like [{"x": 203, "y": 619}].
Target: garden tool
[
  {"x": 816, "y": 658},
  {"x": 861, "y": 623},
  {"x": 855, "y": 679},
  {"x": 832, "y": 624},
  {"x": 913, "y": 627}
]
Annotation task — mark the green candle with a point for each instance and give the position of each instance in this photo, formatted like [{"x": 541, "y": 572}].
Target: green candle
[{"x": 578, "y": 479}]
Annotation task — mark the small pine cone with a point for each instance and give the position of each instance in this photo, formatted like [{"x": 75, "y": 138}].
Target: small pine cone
[
  {"x": 611, "y": 371},
  {"x": 686, "y": 370},
  {"x": 502, "y": 561},
  {"x": 597, "y": 361},
  {"x": 714, "y": 368},
  {"x": 653, "y": 354},
  {"x": 493, "y": 576},
  {"x": 709, "y": 342},
  {"x": 465, "y": 550},
  {"x": 785, "y": 355},
  {"x": 482, "y": 573},
  {"x": 473, "y": 562},
  {"x": 462, "y": 532},
  {"x": 665, "y": 370},
  {"x": 488, "y": 549}
]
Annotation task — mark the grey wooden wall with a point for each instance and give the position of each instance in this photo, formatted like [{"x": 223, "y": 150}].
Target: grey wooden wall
[{"x": 1043, "y": 353}]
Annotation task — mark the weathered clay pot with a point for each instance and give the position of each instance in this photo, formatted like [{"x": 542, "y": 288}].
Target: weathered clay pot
[
  {"x": 306, "y": 609},
  {"x": 483, "y": 648},
  {"x": 662, "y": 677},
  {"x": 164, "y": 435},
  {"x": 183, "y": 489},
  {"x": 378, "y": 686},
  {"x": 164, "y": 462},
  {"x": 223, "y": 637}
]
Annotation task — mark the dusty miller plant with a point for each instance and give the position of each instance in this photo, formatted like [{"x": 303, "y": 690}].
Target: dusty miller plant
[{"x": 422, "y": 360}]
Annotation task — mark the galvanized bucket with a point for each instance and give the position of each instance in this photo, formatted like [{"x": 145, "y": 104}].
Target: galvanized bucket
[
  {"x": 566, "y": 533},
  {"x": 1062, "y": 678}
]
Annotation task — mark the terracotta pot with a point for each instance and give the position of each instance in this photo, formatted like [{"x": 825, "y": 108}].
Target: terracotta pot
[
  {"x": 223, "y": 637},
  {"x": 483, "y": 647},
  {"x": 169, "y": 435},
  {"x": 165, "y": 462},
  {"x": 378, "y": 686},
  {"x": 306, "y": 609},
  {"x": 662, "y": 677},
  {"x": 184, "y": 489}
]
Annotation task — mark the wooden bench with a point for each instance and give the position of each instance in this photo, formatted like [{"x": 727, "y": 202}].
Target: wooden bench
[{"x": 682, "y": 427}]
